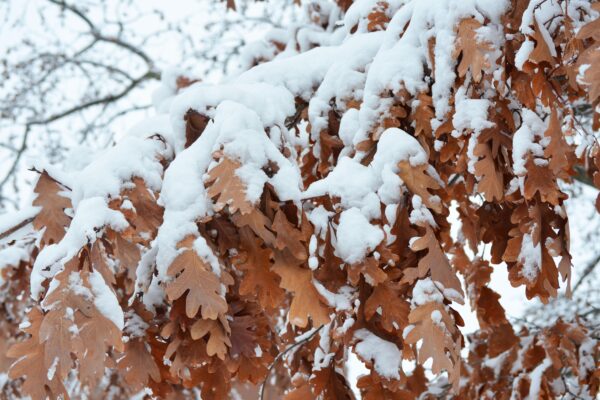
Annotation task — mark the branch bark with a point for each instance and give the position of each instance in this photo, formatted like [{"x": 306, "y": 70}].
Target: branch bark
[{"x": 280, "y": 355}]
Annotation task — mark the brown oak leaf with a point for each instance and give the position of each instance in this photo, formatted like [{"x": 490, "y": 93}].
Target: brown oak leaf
[
  {"x": 473, "y": 50},
  {"x": 258, "y": 276},
  {"x": 491, "y": 180},
  {"x": 420, "y": 183},
  {"x": 392, "y": 309},
  {"x": 52, "y": 215},
  {"x": 193, "y": 276},
  {"x": 138, "y": 365},
  {"x": 218, "y": 331},
  {"x": 434, "y": 326},
  {"x": 435, "y": 262},
  {"x": 30, "y": 363},
  {"x": 305, "y": 301},
  {"x": 228, "y": 188}
]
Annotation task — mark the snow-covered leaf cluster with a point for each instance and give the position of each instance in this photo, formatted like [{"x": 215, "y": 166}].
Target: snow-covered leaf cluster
[{"x": 254, "y": 233}]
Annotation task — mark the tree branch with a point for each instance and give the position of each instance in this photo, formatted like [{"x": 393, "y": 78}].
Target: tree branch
[
  {"x": 15, "y": 228},
  {"x": 95, "y": 32},
  {"x": 280, "y": 355},
  {"x": 20, "y": 152},
  {"x": 107, "y": 99},
  {"x": 77, "y": 12},
  {"x": 588, "y": 270}
]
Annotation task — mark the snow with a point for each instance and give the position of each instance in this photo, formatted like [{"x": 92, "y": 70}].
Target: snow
[
  {"x": 301, "y": 74},
  {"x": 91, "y": 216},
  {"x": 470, "y": 114},
  {"x": 271, "y": 103},
  {"x": 436, "y": 317},
  {"x": 135, "y": 326},
  {"x": 531, "y": 258},
  {"x": 343, "y": 80},
  {"x": 586, "y": 356},
  {"x": 356, "y": 236},
  {"x": 348, "y": 323},
  {"x": 52, "y": 369},
  {"x": 322, "y": 355},
  {"x": 11, "y": 257},
  {"x": 536, "y": 379},
  {"x": 157, "y": 124},
  {"x": 164, "y": 94},
  {"x": 355, "y": 183},
  {"x": 313, "y": 261},
  {"x": 425, "y": 291},
  {"x": 206, "y": 253},
  {"x": 349, "y": 180},
  {"x": 319, "y": 218},
  {"x": 420, "y": 215},
  {"x": 106, "y": 301},
  {"x": 349, "y": 126},
  {"x": 341, "y": 300},
  {"x": 386, "y": 356},
  {"x": 77, "y": 286},
  {"x": 105, "y": 176},
  {"x": 396, "y": 145},
  {"x": 10, "y": 220},
  {"x": 523, "y": 140},
  {"x": 523, "y": 53}
]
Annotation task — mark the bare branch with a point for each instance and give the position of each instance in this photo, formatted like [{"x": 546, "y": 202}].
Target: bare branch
[
  {"x": 108, "y": 99},
  {"x": 283, "y": 353},
  {"x": 587, "y": 271}
]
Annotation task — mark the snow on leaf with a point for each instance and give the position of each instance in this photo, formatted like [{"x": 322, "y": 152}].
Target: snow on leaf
[
  {"x": 228, "y": 188},
  {"x": 473, "y": 50},
  {"x": 437, "y": 336}
]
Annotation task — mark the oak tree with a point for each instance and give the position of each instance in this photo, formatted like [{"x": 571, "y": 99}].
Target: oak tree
[{"x": 364, "y": 178}]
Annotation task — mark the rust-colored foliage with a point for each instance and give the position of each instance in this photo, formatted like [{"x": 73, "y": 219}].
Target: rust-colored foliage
[{"x": 293, "y": 219}]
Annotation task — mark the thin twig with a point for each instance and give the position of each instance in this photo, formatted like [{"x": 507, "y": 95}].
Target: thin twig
[
  {"x": 20, "y": 152},
  {"x": 588, "y": 270},
  {"x": 15, "y": 228},
  {"x": 280, "y": 355}
]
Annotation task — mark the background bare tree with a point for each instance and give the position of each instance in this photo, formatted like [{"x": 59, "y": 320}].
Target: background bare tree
[{"x": 75, "y": 72}]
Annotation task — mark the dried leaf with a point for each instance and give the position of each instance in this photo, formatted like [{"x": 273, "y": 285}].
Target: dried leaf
[
  {"x": 436, "y": 263},
  {"x": 218, "y": 341},
  {"x": 474, "y": 52},
  {"x": 434, "y": 326},
  {"x": 229, "y": 189},
  {"x": 491, "y": 180},
  {"x": 138, "y": 365},
  {"x": 392, "y": 309},
  {"x": 194, "y": 277},
  {"x": 52, "y": 215},
  {"x": 258, "y": 276},
  {"x": 305, "y": 303},
  {"x": 30, "y": 363},
  {"x": 420, "y": 183}
]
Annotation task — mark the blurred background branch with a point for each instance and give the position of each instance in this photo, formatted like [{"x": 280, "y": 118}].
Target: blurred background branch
[{"x": 76, "y": 72}]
